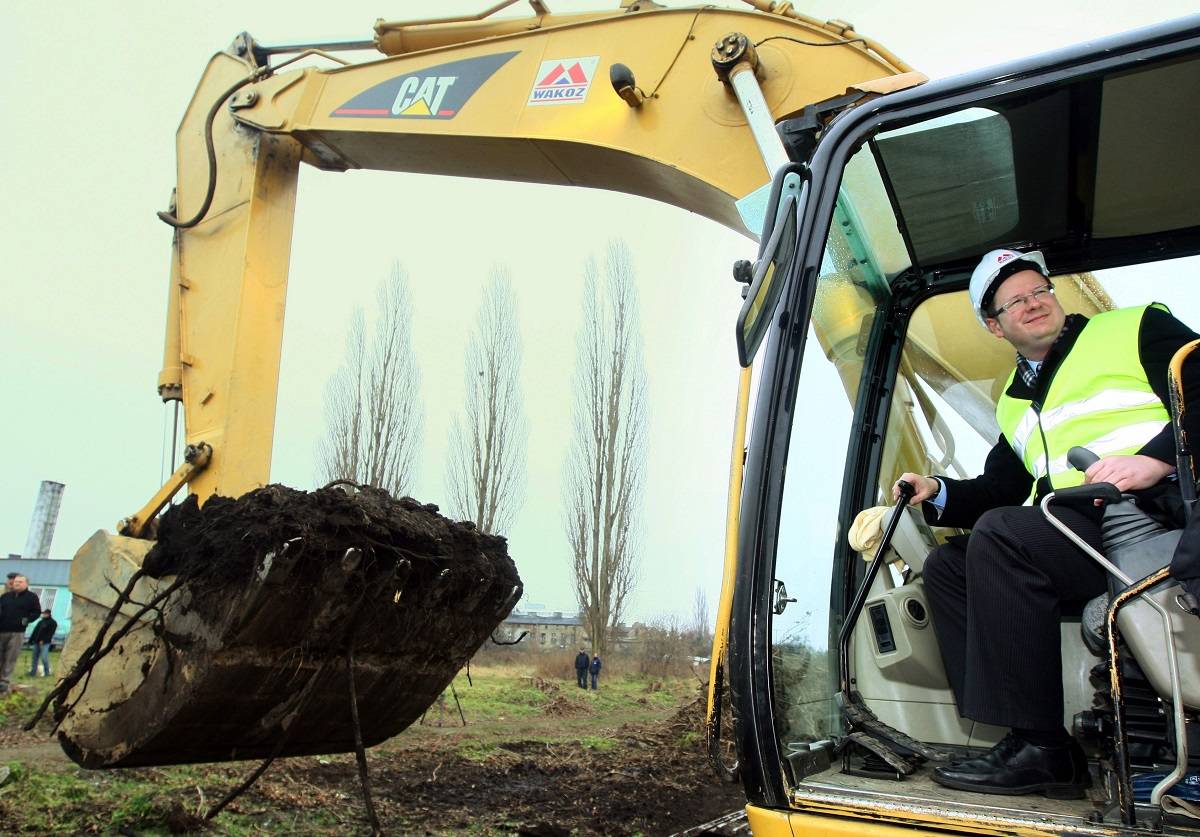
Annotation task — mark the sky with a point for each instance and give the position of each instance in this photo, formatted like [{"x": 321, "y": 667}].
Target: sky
[{"x": 89, "y": 122}]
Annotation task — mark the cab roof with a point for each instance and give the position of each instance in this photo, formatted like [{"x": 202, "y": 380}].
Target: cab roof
[{"x": 1090, "y": 153}]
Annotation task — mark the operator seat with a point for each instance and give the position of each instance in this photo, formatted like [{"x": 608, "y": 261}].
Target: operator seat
[{"x": 1140, "y": 545}]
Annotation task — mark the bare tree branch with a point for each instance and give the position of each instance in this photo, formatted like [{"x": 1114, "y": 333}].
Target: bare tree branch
[
  {"x": 701, "y": 621},
  {"x": 373, "y": 403},
  {"x": 485, "y": 471},
  {"x": 604, "y": 470}
]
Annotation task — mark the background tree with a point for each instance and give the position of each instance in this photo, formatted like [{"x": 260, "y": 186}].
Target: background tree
[
  {"x": 701, "y": 621},
  {"x": 664, "y": 649},
  {"x": 372, "y": 403},
  {"x": 485, "y": 471},
  {"x": 604, "y": 472}
]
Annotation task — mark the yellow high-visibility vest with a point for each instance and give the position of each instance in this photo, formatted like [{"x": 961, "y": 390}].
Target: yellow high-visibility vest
[{"x": 1099, "y": 399}]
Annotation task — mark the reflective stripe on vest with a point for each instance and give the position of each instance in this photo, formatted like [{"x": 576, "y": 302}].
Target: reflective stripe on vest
[
  {"x": 1099, "y": 399},
  {"x": 1123, "y": 438},
  {"x": 1109, "y": 399}
]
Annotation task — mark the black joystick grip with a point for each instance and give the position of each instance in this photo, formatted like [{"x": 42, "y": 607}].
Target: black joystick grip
[
  {"x": 1104, "y": 491},
  {"x": 1081, "y": 458}
]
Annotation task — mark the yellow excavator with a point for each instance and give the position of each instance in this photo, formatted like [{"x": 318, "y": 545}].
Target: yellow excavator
[{"x": 869, "y": 191}]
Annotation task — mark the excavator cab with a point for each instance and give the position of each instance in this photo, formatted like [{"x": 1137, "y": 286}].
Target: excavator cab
[{"x": 1086, "y": 154}]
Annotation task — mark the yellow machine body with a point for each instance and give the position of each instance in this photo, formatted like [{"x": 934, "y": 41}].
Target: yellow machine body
[{"x": 469, "y": 98}]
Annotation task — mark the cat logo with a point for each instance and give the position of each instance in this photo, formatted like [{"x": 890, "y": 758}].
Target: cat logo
[
  {"x": 432, "y": 93},
  {"x": 422, "y": 96}
]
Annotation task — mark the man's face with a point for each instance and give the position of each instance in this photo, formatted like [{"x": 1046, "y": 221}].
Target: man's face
[
  {"x": 1032, "y": 326},
  {"x": 20, "y": 584}
]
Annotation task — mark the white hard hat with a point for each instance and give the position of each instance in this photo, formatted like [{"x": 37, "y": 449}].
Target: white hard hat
[{"x": 989, "y": 269}]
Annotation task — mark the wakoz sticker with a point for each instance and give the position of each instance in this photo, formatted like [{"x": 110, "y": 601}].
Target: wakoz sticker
[{"x": 563, "y": 81}]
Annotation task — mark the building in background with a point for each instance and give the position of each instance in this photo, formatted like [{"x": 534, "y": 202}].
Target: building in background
[
  {"x": 558, "y": 630},
  {"x": 49, "y": 579},
  {"x": 547, "y": 631},
  {"x": 45, "y": 518}
]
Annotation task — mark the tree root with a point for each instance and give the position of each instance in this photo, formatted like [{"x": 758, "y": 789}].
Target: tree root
[
  {"x": 305, "y": 695},
  {"x": 94, "y": 653},
  {"x": 360, "y": 753}
]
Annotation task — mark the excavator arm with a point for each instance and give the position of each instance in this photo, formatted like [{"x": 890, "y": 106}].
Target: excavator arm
[{"x": 527, "y": 99}]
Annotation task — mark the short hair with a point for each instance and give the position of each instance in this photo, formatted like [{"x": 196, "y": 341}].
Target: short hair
[
  {"x": 1005, "y": 271},
  {"x": 11, "y": 576}
]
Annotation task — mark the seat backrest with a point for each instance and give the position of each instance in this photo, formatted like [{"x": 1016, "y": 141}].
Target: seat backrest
[
  {"x": 1140, "y": 546},
  {"x": 1142, "y": 627}
]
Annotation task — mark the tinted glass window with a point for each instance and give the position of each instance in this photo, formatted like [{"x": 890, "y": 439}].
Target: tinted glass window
[
  {"x": 1147, "y": 168},
  {"x": 954, "y": 181}
]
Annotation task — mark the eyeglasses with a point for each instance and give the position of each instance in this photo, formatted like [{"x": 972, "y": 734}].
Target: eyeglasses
[{"x": 1024, "y": 299}]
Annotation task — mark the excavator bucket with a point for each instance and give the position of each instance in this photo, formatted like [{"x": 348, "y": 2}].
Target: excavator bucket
[{"x": 247, "y": 618}]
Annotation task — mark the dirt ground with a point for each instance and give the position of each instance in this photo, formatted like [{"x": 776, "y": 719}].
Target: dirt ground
[
  {"x": 647, "y": 783},
  {"x": 570, "y": 766}
]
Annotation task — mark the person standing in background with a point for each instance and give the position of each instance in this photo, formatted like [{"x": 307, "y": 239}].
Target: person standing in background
[
  {"x": 581, "y": 669},
  {"x": 18, "y": 607},
  {"x": 40, "y": 641}
]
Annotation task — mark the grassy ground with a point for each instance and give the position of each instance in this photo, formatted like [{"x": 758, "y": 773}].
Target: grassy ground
[
  {"x": 20, "y": 703},
  {"x": 528, "y": 745}
]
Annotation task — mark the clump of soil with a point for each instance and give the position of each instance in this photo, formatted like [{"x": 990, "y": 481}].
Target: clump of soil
[
  {"x": 546, "y": 687},
  {"x": 690, "y": 723},
  {"x": 557, "y": 704},
  {"x": 275, "y": 593},
  {"x": 225, "y": 538},
  {"x": 691, "y": 716},
  {"x": 179, "y": 820},
  {"x": 563, "y": 707}
]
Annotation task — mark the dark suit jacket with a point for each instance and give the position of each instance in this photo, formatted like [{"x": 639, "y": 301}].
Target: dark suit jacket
[{"x": 1006, "y": 482}]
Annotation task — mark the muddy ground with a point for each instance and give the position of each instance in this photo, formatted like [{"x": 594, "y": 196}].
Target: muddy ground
[
  {"x": 649, "y": 776},
  {"x": 647, "y": 783}
]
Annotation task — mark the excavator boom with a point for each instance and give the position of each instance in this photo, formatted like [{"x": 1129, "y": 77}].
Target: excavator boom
[{"x": 533, "y": 106}]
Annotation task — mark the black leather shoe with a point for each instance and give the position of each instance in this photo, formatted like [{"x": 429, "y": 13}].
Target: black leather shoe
[
  {"x": 976, "y": 763},
  {"x": 1016, "y": 766}
]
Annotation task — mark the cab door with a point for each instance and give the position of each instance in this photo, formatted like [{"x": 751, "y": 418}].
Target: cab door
[
  {"x": 859, "y": 269},
  {"x": 782, "y": 662}
]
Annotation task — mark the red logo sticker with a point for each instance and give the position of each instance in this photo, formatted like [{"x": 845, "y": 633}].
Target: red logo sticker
[{"x": 563, "y": 81}]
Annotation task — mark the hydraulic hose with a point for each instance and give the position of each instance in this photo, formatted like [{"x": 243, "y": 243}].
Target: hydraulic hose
[{"x": 211, "y": 149}]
